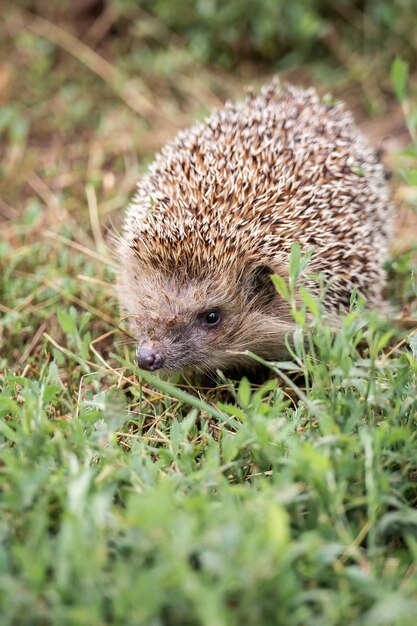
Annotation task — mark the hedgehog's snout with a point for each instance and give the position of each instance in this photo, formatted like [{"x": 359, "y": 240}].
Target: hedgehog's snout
[{"x": 149, "y": 359}]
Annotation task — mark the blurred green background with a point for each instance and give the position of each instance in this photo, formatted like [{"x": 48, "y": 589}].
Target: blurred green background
[
  {"x": 114, "y": 79},
  {"x": 137, "y": 70},
  {"x": 275, "y": 33}
]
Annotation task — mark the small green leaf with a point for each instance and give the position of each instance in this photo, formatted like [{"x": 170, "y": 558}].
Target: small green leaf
[
  {"x": 7, "y": 405},
  {"x": 66, "y": 322},
  {"x": 244, "y": 393},
  {"x": 235, "y": 411},
  {"x": 8, "y": 432},
  {"x": 358, "y": 170},
  {"x": 281, "y": 286},
  {"x": 310, "y": 302},
  {"x": 295, "y": 262},
  {"x": 175, "y": 435},
  {"x": 399, "y": 76},
  {"x": 383, "y": 341},
  {"x": 230, "y": 448}
]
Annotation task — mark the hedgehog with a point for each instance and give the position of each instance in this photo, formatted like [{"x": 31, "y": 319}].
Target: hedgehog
[{"x": 216, "y": 215}]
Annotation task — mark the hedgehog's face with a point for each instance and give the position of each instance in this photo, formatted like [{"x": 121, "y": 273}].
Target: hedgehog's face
[{"x": 201, "y": 325}]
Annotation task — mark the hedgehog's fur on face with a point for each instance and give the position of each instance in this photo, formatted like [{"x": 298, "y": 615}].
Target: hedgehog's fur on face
[
  {"x": 217, "y": 213},
  {"x": 200, "y": 323}
]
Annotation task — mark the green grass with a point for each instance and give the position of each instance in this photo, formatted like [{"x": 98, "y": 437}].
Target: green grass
[
  {"x": 126, "y": 500},
  {"x": 125, "y": 504}
]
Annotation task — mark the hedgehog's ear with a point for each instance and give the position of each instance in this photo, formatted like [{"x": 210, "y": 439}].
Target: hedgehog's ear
[{"x": 260, "y": 283}]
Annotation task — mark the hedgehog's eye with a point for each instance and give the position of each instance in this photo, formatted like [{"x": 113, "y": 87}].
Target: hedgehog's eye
[{"x": 211, "y": 318}]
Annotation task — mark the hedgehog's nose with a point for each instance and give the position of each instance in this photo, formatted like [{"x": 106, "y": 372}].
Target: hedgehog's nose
[{"x": 149, "y": 359}]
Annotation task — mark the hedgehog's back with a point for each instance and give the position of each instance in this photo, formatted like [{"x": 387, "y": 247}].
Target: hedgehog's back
[{"x": 279, "y": 167}]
